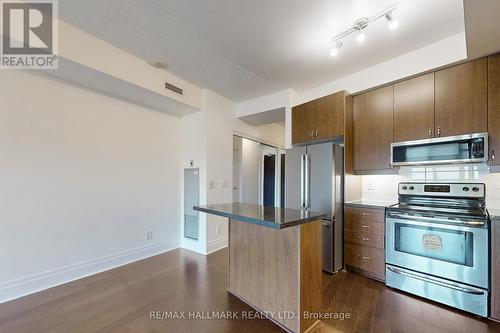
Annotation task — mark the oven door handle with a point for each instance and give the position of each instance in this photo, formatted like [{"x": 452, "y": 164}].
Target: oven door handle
[
  {"x": 436, "y": 220},
  {"x": 468, "y": 290}
]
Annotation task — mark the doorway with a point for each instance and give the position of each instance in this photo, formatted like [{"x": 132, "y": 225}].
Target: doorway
[
  {"x": 269, "y": 180},
  {"x": 258, "y": 176}
]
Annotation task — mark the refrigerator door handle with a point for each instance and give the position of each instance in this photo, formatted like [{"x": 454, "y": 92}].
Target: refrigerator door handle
[
  {"x": 307, "y": 184},
  {"x": 302, "y": 180}
]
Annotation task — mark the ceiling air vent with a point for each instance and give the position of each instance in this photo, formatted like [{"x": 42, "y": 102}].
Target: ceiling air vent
[{"x": 173, "y": 88}]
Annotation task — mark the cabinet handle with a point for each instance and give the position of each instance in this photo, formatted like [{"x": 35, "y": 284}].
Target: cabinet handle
[
  {"x": 439, "y": 131},
  {"x": 363, "y": 257},
  {"x": 493, "y": 156},
  {"x": 365, "y": 214},
  {"x": 365, "y": 226},
  {"x": 316, "y": 133},
  {"x": 312, "y": 134},
  {"x": 430, "y": 132},
  {"x": 364, "y": 239}
]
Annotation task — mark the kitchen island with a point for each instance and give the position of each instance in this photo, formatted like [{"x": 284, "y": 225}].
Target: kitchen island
[{"x": 275, "y": 261}]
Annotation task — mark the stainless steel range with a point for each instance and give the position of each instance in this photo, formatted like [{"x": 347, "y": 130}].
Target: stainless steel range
[{"x": 437, "y": 241}]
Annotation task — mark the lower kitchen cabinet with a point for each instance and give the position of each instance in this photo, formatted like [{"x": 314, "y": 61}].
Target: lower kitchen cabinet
[{"x": 364, "y": 246}]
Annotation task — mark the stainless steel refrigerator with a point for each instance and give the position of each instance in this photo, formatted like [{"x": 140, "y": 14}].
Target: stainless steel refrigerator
[{"x": 314, "y": 180}]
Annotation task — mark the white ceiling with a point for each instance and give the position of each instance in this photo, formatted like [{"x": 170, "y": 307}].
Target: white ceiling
[
  {"x": 482, "y": 28},
  {"x": 266, "y": 117},
  {"x": 243, "y": 49}
]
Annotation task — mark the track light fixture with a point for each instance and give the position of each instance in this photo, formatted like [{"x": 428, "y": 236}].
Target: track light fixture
[{"x": 359, "y": 27}]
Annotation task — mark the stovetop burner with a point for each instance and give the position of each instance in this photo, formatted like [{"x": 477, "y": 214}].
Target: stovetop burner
[
  {"x": 478, "y": 212},
  {"x": 439, "y": 199}
]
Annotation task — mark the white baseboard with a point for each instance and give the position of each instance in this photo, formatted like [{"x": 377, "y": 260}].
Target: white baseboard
[
  {"x": 23, "y": 286},
  {"x": 216, "y": 245},
  {"x": 193, "y": 245}
]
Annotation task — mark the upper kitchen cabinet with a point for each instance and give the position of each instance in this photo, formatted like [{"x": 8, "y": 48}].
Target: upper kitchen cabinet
[
  {"x": 300, "y": 124},
  {"x": 320, "y": 119},
  {"x": 373, "y": 131},
  {"x": 461, "y": 99},
  {"x": 494, "y": 108},
  {"x": 329, "y": 116},
  {"x": 414, "y": 108}
]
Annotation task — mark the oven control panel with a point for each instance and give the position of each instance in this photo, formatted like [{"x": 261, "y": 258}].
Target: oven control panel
[{"x": 465, "y": 190}]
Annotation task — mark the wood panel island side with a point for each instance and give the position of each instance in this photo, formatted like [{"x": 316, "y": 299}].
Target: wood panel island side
[{"x": 275, "y": 261}]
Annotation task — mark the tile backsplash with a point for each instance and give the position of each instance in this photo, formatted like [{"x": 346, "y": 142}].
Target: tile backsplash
[{"x": 385, "y": 187}]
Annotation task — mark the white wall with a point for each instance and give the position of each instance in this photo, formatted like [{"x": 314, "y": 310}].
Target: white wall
[
  {"x": 221, "y": 124},
  {"x": 209, "y": 134},
  {"x": 251, "y": 157},
  {"x": 385, "y": 187},
  {"x": 83, "y": 177},
  {"x": 263, "y": 103},
  {"x": 193, "y": 146},
  {"x": 237, "y": 168}
]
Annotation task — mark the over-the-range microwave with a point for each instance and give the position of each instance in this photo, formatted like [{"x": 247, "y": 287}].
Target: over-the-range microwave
[{"x": 470, "y": 148}]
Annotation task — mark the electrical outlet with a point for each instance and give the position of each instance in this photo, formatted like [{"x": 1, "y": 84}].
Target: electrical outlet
[
  {"x": 149, "y": 235},
  {"x": 225, "y": 184},
  {"x": 211, "y": 185}
]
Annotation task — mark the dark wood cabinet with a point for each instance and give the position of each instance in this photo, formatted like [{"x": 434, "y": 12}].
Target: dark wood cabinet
[
  {"x": 364, "y": 249},
  {"x": 414, "y": 108},
  {"x": 320, "y": 119},
  {"x": 494, "y": 108},
  {"x": 300, "y": 123},
  {"x": 330, "y": 116},
  {"x": 461, "y": 99},
  {"x": 373, "y": 130}
]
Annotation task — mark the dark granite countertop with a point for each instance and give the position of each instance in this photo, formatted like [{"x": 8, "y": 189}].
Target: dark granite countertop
[
  {"x": 369, "y": 204},
  {"x": 272, "y": 217}
]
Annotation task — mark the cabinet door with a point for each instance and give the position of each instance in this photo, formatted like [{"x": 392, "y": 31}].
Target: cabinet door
[
  {"x": 495, "y": 270},
  {"x": 494, "y": 108},
  {"x": 373, "y": 127},
  {"x": 329, "y": 116},
  {"x": 461, "y": 99},
  {"x": 414, "y": 109},
  {"x": 300, "y": 124}
]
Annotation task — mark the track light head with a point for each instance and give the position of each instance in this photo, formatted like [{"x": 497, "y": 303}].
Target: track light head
[
  {"x": 393, "y": 24},
  {"x": 335, "y": 50}
]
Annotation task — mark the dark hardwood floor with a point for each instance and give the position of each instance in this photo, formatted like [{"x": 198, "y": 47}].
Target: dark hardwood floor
[{"x": 121, "y": 300}]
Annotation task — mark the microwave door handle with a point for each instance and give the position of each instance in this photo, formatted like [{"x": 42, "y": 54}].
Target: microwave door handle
[
  {"x": 436, "y": 220},
  {"x": 468, "y": 290}
]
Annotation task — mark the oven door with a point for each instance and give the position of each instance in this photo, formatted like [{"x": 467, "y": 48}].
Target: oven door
[{"x": 455, "y": 252}]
